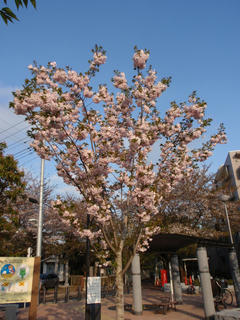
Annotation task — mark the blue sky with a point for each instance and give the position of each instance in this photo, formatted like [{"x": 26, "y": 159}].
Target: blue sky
[{"x": 195, "y": 42}]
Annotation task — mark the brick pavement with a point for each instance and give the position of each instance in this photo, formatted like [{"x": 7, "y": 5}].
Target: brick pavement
[{"x": 192, "y": 308}]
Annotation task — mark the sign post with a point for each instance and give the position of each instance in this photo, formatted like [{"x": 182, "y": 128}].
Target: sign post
[
  {"x": 35, "y": 289},
  {"x": 93, "y": 298}
]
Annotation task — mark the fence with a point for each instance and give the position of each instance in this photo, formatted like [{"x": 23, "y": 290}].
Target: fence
[
  {"x": 63, "y": 294},
  {"x": 76, "y": 290}
]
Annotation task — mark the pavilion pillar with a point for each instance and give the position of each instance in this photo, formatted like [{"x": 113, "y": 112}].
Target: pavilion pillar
[
  {"x": 206, "y": 287},
  {"x": 177, "y": 289},
  {"x": 137, "y": 287},
  {"x": 235, "y": 273}
]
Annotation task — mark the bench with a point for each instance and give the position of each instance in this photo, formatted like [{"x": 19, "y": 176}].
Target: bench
[{"x": 162, "y": 306}]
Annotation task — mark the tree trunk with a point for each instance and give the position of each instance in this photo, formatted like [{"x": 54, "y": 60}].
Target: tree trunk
[{"x": 119, "y": 288}]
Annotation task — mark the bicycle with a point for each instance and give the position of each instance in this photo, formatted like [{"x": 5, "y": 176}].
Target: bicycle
[{"x": 223, "y": 296}]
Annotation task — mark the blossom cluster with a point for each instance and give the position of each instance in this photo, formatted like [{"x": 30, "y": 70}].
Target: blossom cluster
[{"x": 140, "y": 58}]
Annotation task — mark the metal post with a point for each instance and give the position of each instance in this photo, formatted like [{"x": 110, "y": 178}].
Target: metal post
[
  {"x": 176, "y": 279},
  {"x": 137, "y": 289},
  {"x": 207, "y": 294},
  {"x": 40, "y": 217}
]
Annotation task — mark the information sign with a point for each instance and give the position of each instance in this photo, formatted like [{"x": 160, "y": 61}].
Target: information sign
[
  {"x": 93, "y": 290},
  {"x": 16, "y": 275}
]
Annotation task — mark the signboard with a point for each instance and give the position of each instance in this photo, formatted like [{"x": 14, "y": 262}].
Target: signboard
[
  {"x": 93, "y": 290},
  {"x": 16, "y": 276}
]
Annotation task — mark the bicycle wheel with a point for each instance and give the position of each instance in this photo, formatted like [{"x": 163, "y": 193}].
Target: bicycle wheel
[{"x": 227, "y": 297}]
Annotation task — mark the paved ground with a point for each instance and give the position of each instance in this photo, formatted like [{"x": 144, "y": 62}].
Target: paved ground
[{"x": 192, "y": 308}]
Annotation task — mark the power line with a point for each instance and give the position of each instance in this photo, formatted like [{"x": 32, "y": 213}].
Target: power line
[
  {"x": 28, "y": 161},
  {"x": 4, "y": 121},
  {"x": 17, "y": 142},
  {"x": 13, "y": 134},
  {"x": 27, "y": 154},
  {"x": 12, "y": 126},
  {"x": 21, "y": 151}
]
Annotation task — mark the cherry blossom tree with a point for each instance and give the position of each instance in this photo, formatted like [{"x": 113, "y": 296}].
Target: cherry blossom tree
[
  {"x": 194, "y": 207},
  {"x": 27, "y": 212},
  {"x": 102, "y": 144}
]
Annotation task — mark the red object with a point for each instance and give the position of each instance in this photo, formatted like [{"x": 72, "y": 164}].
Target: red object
[
  {"x": 163, "y": 277},
  {"x": 185, "y": 280},
  {"x": 190, "y": 280},
  {"x": 157, "y": 282}
]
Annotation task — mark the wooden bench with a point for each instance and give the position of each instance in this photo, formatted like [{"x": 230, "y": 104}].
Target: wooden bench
[{"x": 162, "y": 306}]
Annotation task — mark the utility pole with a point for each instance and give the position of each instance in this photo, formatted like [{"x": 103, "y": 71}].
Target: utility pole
[
  {"x": 37, "y": 262},
  {"x": 40, "y": 217}
]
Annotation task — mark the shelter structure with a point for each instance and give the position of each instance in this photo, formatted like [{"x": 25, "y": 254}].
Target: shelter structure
[
  {"x": 172, "y": 242},
  {"x": 167, "y": 243}
]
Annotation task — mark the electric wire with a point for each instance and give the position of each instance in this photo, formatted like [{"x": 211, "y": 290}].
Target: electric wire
[
  {"x": 13, "y": 134},
  {"x": 25, "y": 155},
  {"x": 5, "y": 121},
  {"x": 17, "y": 142},
  {"x": 13, "y": 126},
  {"x": 21, "y": 151},
  {"x": 21, "y": 164}
]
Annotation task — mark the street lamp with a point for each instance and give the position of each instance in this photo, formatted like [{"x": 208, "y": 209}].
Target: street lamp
[{"x": 224, "y": 198}]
